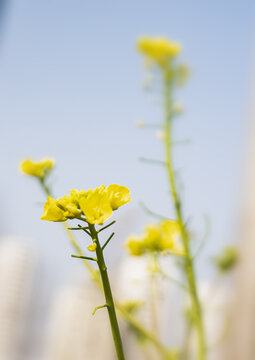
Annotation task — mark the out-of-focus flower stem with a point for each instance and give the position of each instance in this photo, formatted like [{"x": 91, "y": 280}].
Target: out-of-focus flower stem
[
  {"x": 166, "y": 354},
  {"x": 154, "y": 294},
  {"x": 189, "y": 266}
]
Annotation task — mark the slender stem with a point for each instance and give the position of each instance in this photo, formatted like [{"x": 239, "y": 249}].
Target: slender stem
[
  {"x": 108, "y": 295},
  {"x": 45, "y": 187},
  {"x": 189, "y": 266},
  {"x": 151, "y": 212},
  {"x": 108, "y": 240},
  {"x": 105, "y": 227},
  {"x": 177, "y": 282},
  {"x": 152, "y": 161},
  {"x": 84, "y": 257},
  {"x": 154, "y": 295}
]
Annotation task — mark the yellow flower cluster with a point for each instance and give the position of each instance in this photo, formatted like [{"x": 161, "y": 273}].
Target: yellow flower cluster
[
  {"x": 156, "y": 238},
  {"x": 158, "y": 50},
  {"x": 96, "y": 205},
  {"x": 38, "y": 169}
]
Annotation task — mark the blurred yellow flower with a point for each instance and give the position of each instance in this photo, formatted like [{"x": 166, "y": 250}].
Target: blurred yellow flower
[
  {"x": 135, "y": 245},
  {"x": 38, "y": 169},
  {"x": 159, "y": 50},
  {"x": 161, "y": 237},
  {"x": 96, "y": 205}
]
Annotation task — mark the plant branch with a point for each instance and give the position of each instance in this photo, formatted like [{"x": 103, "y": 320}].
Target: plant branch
[
  {"x": 84, "y": 257},
  {"x": 189, "y": 266},
  {"x": 105, "y": 227},
  {"x": 108, "y": 240}
]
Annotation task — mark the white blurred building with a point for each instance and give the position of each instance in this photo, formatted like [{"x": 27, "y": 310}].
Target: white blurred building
[
  {"x": 16, "y": 272},
  {"x": 73, "y": 332}
]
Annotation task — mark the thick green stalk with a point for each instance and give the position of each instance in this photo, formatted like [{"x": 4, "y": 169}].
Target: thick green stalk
[
  {"x": 189, "y": 266},
  {"x": 108, "y": 295}
]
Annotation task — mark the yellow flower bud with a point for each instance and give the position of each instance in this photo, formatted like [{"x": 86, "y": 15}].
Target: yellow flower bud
[{"x": 92, "y": 247}]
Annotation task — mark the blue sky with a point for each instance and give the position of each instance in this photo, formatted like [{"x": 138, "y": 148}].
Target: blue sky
[{"x": 71, "y": 88}]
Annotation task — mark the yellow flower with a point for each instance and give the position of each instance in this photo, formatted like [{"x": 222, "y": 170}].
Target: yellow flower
[
  {"x": 161, "y": 237},
  {"x": 152, "y": 237},
  {"x": 118, "y": 195},
  {"x": 38, "y": 169},
  {"x": 170, "y": 232},
  {"x": 69, "y": 207},
  {"x": 135, "y": 246},
  {"x": 170, "y": 228},
  {"x": 52, "y": 212},
  {"x": 96, "y": 206},
  {"x": 159, "y": 50}
]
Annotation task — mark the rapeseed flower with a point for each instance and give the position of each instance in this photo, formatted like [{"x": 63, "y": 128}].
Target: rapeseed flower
[
  {"x": 95, "y": 205},
  {"x": 156, "y": 238},
  {"x": 52, "y": 212},
  {"x": 119, "y": 195},
  {"x": 158, "y": 50},
  {"x": 38, "y": 169}
]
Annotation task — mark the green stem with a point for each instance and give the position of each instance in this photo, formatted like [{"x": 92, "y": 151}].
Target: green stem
[
  {"x": 189, "y": 266},
  {"x": 154, "y": 295},
  {"x": 45, "y": 187},
  {"x": 108, "y": 295}
]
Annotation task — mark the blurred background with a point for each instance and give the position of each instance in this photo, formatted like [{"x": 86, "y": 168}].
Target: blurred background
[{"x": 71, "y": 88}]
